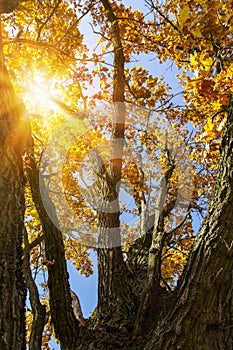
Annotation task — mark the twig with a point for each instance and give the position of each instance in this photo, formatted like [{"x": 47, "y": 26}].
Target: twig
[{"x": 47, "y": 20}]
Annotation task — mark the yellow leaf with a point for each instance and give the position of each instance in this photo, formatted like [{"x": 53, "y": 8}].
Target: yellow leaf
[
  {"x": 184, "y": 15},
  {"x": 193, "y": 60},
  {"x": 206, "y": 61},
  {"x": 103, "y": 49},
  {"x": 209, "y": 125},
  {"x": 196, "y": 32},
  {"x": 216, "y": 105}
]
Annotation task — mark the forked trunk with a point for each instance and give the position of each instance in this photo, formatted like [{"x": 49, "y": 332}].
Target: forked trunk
[{"x": 202, "y": 317}]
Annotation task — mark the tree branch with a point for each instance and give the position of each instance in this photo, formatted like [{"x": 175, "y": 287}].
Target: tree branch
[
  {"x": 62, "y": 314},
  {"x": 151, "y": 3},
  {"x": 150, "y": 296},
  {"x": 76, "y": 22},
  {"x": 39, "y": 310},
  {"x": 48, "y": 18}
]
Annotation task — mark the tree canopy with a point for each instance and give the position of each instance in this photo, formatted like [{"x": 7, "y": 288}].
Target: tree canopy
[{"x": 100, "y": 152}]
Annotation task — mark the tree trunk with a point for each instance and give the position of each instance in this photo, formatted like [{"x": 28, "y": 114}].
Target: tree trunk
[
  {"x": 14, "y": 136},
  {"x": 13, "y": 291},
  {"x": 202, "y": 317},
  {"x": 112, "y": 271}
]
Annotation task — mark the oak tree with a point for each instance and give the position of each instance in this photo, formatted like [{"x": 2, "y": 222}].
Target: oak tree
[{"x": 68, "y": 155}]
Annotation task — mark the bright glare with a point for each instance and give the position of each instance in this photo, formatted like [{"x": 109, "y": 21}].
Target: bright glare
[
  {"x": 40, "y": 93},
  {"x": 39, "y": 90}
]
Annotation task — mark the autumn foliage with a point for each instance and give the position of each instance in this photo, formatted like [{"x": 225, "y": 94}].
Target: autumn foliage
[{"x": 62, "y": 59}]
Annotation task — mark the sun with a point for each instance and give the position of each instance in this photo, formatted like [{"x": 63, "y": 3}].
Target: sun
[
  {"x": 40, "y": 93},
  {"x": 39, "y": 88}
]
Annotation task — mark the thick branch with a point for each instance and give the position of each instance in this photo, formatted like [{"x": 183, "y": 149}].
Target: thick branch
[
  {"x": 150, "y": 298},
  {"x": 63, "y": 318},
  {"x": 119, "y": 59}
]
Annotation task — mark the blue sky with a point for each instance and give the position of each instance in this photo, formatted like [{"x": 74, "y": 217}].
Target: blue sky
[{"x": 85, "y": 287}]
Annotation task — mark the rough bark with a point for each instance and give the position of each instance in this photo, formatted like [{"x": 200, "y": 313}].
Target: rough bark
[
  {"x": 7, "y": 6},
  {"x": 202, "y": 316},
  {"x": 112, "y": 271},
  {"x": 63, "y": 318},
  {"x": 14, "y": 137},
  {"x": 12, "y": 144},
  {"x": 149, "y": 308}
]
